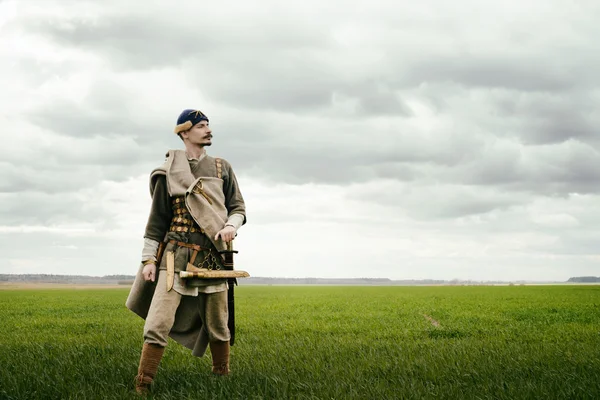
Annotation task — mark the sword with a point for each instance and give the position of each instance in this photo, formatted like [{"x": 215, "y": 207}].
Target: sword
[
  {"x": 193, "y": 272},
  {"x": 228, "y": 265}
]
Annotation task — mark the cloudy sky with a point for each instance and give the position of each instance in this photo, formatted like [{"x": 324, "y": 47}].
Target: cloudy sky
[{"x": 405, "y": 140}]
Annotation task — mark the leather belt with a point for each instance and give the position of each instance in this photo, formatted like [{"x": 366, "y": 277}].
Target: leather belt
[{"x": 188, "y": 245}]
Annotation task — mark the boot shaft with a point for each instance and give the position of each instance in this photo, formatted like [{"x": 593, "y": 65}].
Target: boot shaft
[
  {"x": 149, "y": 361},
  {"x": 220, "y": 357}
]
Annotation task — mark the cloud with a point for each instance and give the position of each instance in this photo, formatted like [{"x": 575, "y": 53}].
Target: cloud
[{"x": 454, "y": 135}]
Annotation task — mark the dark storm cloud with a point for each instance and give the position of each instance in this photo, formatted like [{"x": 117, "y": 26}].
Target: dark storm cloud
[
  {"x": 551, "y": 118},
  {"x": 131, "y": 42},
  {"x": 332, "y": 151},
  {"x": 297, "y": 71},
  {"x": 284, "y": 66},
  {"x": 148, "y": 40},
  {"x": 552, "y": 170},
  {"x": 563, "y": 126},
  {"x": 105, "y": 111},
  {"x": 81, "y": 120},
  {"x": 284, "y": 72}
]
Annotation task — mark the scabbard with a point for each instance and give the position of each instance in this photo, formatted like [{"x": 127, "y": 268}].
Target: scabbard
[
  {"x": 170, "y": 270},
  {"x": 232, "y": 282},
  {"x": 203, "y": 273},
  {"x": 231, "y": 310},
  {"x": 228, "y": 265}
]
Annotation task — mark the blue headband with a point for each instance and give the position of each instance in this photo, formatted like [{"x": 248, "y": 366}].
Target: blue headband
[{"x": 189, "y": 118}]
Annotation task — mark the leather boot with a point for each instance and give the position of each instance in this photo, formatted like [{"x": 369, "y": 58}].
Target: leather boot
[
  {"x": 151, "y": 356},
  {"x": 220, "y": 357}
]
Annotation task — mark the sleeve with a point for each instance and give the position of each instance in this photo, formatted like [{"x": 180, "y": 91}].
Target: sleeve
[
  {"x": 233, "y": 197},
  {"x": 235, "y": 220},
  {"x": 161, "y": 213},
  {"x": 150, "y": 250}
]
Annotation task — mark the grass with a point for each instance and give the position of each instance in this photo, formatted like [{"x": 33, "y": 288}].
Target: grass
[{"x": 519, "y": 342}]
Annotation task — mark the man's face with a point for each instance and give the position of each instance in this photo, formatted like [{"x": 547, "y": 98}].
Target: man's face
[{"x": 199, "y": 134}]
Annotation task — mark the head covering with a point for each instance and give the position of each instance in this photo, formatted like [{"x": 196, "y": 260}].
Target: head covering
[{"x": 189, "y": 118}]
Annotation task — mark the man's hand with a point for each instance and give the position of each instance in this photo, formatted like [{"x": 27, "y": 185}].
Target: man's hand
[
  {"x": 149, "y": 272},
  {"x": 227, "y": 234}
]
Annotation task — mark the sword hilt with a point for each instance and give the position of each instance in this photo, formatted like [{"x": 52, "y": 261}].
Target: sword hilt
[
  {"x": 229, "y": 249},
  {"x": 228, "y": 256}
]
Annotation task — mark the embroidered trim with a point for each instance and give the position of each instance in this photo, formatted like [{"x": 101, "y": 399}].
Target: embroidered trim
[{"x": 219, "y": 168}]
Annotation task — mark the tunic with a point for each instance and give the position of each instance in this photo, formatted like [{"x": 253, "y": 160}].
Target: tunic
[{"x": 183, "y": 178}]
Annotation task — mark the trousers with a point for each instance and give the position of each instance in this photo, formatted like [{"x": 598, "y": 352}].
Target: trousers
[{"x": 211, "y": 307}]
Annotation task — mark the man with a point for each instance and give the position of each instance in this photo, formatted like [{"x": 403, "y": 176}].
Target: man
[{"x": 196, "y": 209}]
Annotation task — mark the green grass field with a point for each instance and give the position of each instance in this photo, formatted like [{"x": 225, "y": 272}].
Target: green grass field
[{"x": 512, "y": 342}]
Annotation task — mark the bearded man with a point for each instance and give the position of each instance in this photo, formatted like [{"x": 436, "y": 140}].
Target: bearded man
[{"x": 197, "y": 207}]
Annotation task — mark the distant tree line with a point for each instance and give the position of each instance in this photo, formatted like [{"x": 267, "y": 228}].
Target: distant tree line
[
  {"x": 584, "y": 279},
  {"x": 75, "y": 279},
  {"x": 128, "y": 280}
]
